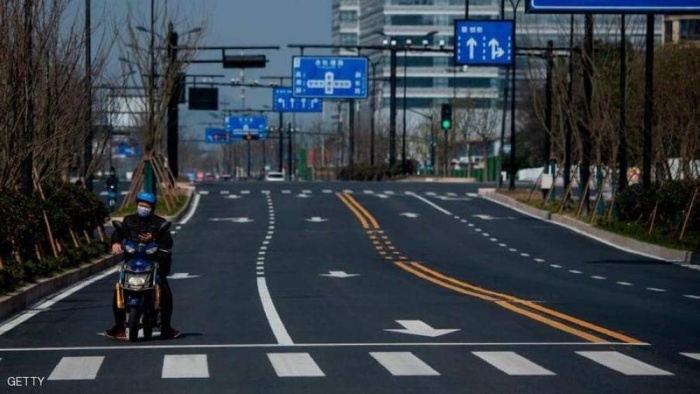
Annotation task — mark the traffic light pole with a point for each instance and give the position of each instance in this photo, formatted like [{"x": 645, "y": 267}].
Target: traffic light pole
[{"x": 248, "y": 164}]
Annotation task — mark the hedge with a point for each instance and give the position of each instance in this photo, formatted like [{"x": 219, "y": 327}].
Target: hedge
[{"x": 26, "y": 254}]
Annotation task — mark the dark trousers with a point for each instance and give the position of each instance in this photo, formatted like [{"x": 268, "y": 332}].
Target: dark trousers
[{"x": 166, "y": 307}]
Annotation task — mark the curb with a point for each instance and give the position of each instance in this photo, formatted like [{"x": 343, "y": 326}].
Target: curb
[
  {"x": 30, "y": 294},
  {"x": 612, "y": 239}
]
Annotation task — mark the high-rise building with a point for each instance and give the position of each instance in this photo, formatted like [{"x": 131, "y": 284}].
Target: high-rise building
[{"x": 428, "y": 79}]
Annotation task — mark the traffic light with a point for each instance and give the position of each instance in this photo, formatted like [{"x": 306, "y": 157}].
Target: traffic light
[{"x": 446, "y": 117}]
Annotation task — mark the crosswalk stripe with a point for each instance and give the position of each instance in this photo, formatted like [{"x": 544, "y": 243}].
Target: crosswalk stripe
[
  {"x": 288, "y": 365},
  {"x": 691, "y": 355},
  {"x": 513, "y": 363},
  {"x": 77, "y": 368},
  {"x": 623, "y": 364},
  {"x": 403, "y": 364},
  {"x": 177, "y": 366}
]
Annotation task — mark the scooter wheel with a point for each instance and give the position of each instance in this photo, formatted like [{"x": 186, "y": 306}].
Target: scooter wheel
[{"x": 133, "y": 324}]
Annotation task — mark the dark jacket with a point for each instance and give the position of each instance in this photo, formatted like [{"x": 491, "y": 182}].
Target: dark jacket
[
  {"x": 135, "y": 225},
  {"x": 112, "y": 180}
]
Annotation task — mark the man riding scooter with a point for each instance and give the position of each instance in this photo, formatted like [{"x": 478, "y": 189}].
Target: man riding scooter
[{"x": 143, "y": 227}]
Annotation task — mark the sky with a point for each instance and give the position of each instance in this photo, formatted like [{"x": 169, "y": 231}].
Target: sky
[{"x": 236, "y": 23}]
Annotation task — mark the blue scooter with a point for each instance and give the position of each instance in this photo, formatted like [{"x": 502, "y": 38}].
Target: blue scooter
[{"x": 138, "y": 288}]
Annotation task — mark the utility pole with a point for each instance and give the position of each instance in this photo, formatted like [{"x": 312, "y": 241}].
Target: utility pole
[
  {"x": 87, "y": 159},
  {"x": 173, "y": 101}
]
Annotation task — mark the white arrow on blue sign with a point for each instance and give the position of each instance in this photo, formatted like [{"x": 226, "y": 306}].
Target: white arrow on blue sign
[
  {"x": 284, "y": 101},
  {"x": 329, "y": 77},
  {"x": 484, "y": 42}
]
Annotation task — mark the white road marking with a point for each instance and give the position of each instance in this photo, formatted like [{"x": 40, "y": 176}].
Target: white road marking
[
  {"x": 655, "y": 289},
  {"x": 430, "y": 193},
  {"x": 539, "y": 260},
  {"x": 695, "y": 356},
  {"x": 389, "y": 192},
  {"x": 193, "y": 208},
  {"x": 46, "y": 304},
  {"x": 524, "y": 254},
  {"x": 624, "y": 283},
  {"x": 273, "y": 317},
  {"x": 452, "y": 194},
  {"x": 403, "y": 364},
  {"x": 327, "y": 191},
  {"x": 494, "y": 239},
  {"x": 691, "y": 296},
  {"x": 432, "y": 204},
  {"x": 245, "y": 191},
  {"x": 368, "y": 191},
  {"x": 598, "y": 277},
  {"x": 513, "y": 364},
  {"x": 502, "y": 245},
  {"x": 464, "y": 220},
  {"x": 178, "y": 366},
  {"x": 577, "y": 272},
  {"x": 457, "y": 217},
  {"x": 77, "y": 368},
  {"x": 470, "y": 224},
  {"x": 555, "y": 266},
  {"x": 478, "y": 230},
  {"x": 348, "y": 191},
  {"x": 288, "y": 365},
  {"x": 623, "y": 364},
  {"x": 306, "y": 191},
  {"x": 120, "y": 347},
  {"x": 205, "y": 192},
  {"x": 512, "y": 250},
  {"x": 286, "y": 191},
  {"x": 474, "y": 195},
  {"x": 224, "y": 192}
]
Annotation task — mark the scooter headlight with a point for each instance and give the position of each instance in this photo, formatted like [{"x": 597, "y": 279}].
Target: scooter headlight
[{"x": 136, "y": 280}]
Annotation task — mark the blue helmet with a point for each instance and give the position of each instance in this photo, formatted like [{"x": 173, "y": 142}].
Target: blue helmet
[{"x": 146, "y": 197}]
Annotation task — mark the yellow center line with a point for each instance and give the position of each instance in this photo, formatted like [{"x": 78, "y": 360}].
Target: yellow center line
[
  {"x": 506, "y": 301},
  {"x": 359, "y": 216},
  {"x": 532, "y": 305},
  {"x": 357, "y": 205}
]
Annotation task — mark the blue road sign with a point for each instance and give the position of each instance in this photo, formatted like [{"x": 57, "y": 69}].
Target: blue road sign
[
  {"x": 333, "y": 77},
  {"x": 613, "y": 6},
  {"x": 484, "y": 42},
  {"x": 213, "y": 135},
  {"x": 284, "y": 101},
  {"x": 239, "y": 126}
]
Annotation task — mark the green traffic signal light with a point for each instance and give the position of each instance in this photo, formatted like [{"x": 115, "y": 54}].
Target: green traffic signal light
[{"x": 446, "y": 124}]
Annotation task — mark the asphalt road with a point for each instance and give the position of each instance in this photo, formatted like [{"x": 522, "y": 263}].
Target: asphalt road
[{"x": 381, "y": 288}]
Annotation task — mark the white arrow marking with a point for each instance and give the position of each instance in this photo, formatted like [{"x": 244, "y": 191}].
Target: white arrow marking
[
  {"x": 417, "y": 327},
  {"x": 234, "y": 220},
  {"x": 339, "y": 274},
  {"x": 471, "y": 43},
  {"x": 484, "y": 217},
  {"x": 182, "y": 275},
  {"x": 409, "y": 214},
  {"x": 316, "y": 219}
]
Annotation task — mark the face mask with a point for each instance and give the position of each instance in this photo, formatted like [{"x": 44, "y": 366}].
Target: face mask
[{"x": 143, "y": 212}]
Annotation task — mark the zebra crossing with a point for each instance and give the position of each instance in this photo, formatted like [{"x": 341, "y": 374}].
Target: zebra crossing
[
  {"x": 288, "y": 364},
  {"x": 379, "y": 194}
]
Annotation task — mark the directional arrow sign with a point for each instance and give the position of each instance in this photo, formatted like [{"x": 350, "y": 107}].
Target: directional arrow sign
[
  {"x": 417, "y": 327},
  {"x": 339, "y": 274},
  {"x": 316, "y": 219},
  {"x": 484, "y": 42},
  {"x": 409, "y": 214},
  {"x": 182, "y": 275},
  {"x": 471, "y": 43},
  {"x": 234, "y": 220}
]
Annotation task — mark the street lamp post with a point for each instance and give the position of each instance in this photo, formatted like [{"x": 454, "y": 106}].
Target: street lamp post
[{"x": 404, "y": 169}]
